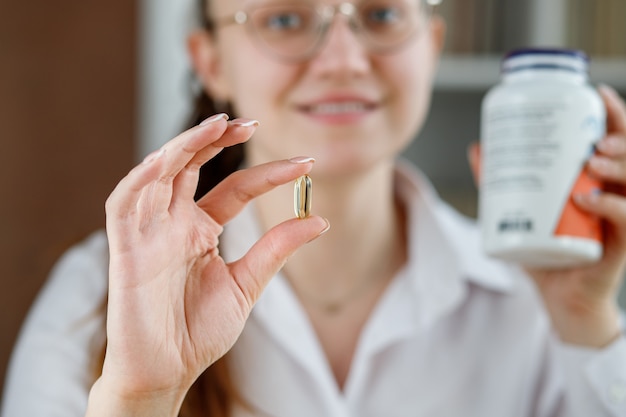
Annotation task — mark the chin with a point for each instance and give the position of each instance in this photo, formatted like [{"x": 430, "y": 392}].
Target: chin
[{"x": 348, "y": 164}]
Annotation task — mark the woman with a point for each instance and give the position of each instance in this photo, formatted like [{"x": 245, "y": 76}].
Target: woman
[{"x": 395, "y": 311}]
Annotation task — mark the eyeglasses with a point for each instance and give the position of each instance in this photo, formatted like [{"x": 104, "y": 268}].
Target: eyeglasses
[{"x": 295, "y": 30}]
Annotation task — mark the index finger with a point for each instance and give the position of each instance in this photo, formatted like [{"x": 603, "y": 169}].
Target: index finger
[
  {"x": 165, "y": 164},
  {"x": 231, "y": 195}
]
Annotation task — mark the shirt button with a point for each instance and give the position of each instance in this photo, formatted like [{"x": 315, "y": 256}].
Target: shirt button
[{"x": 617, "y": 392}]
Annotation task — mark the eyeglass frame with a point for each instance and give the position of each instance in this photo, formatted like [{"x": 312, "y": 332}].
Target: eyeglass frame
[{"x": 327, "y": 14}]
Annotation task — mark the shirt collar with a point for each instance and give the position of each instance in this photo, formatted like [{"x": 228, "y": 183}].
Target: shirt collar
[{"x": 440, "y": 234}]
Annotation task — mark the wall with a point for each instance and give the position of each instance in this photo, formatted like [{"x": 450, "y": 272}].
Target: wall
[
  {"x": 165, "y": 75},
  {"x": 67, "y": 127}
]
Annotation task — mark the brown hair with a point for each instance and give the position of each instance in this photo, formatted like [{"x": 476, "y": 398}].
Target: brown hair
[{"x": 214, "y": 393}]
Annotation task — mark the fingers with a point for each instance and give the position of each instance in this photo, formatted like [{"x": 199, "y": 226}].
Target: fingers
[
  {"x": 616, "y": 109},
  {"x": 186, "y": 181},
  {"x": 609, "y": 165},
  {"x": 613, "y": 145},
  {"x": 608, "y": 169},
  {"x": 182, "y": 149},
  {"x": 153, "y": 184},
  {"x": 609, "y": 206},
  {"x": 269, "y": 254},
  {"x": 609, "y": 161},
  {"x": 230, "y": 196},
  {"x": 238, "y": 130},
  {"x": 157, "y": 165}
]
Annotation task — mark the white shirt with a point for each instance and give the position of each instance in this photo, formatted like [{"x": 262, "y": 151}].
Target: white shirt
[{"x": 455, "y": 334}]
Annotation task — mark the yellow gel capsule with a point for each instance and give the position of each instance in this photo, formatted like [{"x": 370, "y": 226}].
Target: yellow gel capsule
[{"x": 302, "y": 196}]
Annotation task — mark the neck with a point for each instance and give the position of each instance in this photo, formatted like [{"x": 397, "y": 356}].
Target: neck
[{"x": 364, "y": 247}]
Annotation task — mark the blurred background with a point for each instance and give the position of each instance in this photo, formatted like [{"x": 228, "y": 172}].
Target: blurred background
[
  {"x": 87, "y": 88},
  {"x": 68, "y": 129}
]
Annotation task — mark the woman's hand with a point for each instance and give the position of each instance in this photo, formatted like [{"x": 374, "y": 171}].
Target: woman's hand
[
  {"x": 174, "y": 305},
  {"x": 583, "y": 301}
]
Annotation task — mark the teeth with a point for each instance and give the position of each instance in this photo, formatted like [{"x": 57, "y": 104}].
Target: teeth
[{"x": 336, "y": 108}]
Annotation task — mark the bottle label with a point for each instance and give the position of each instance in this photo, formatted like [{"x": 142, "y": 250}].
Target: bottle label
[{"x": 534, "y": 160}]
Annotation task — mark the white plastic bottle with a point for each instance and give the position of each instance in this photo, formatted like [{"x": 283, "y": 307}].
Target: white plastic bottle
[{"x": 539, "y": 127}]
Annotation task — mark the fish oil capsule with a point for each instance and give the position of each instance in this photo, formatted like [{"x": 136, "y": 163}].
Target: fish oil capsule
[
  {"x": 302, "y": 196},
  {"x": 539, "y": 127}
]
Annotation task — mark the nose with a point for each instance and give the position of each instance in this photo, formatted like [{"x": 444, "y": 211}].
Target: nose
[{"x": 342, "y": 53}]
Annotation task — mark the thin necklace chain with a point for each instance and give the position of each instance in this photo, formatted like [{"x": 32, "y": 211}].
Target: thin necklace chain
[{"x": 338, "y": 304}]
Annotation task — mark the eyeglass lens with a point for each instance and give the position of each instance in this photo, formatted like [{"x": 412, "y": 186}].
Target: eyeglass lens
[{"x": 294, "y": 30}]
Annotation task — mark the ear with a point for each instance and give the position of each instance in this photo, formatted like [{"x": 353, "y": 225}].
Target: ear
[
  {"x": 475, "y": 161},
  {"x": 206, "y": 62}
]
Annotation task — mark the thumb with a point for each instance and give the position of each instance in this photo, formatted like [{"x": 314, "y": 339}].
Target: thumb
[{"x": 253, "y": 271}]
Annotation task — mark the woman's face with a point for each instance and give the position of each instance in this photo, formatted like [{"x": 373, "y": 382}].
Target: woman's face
[{"x": 345, "y": 106}]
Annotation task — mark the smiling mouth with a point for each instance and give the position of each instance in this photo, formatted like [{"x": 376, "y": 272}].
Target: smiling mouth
[{"x": 338, "y": 108}]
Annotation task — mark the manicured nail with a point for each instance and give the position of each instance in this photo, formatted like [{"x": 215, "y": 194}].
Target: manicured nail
[
  {"x": 153, "y": 156},
  {"x": 301, "y": 160},
  {"x": 326, "y": 229},
  {"x": 241, "y": 122},
  {"x": 214, "y": 118},
  {"x": 580, "y": 199},
  {"x": 588, "y": 198},
  {"x": 602, "y": 146},
  {"x": 611, "y": 145},
  {"x": 600, "y": 164}
]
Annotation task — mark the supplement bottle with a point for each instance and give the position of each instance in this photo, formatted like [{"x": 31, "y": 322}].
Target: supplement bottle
[{"x": 538, "y": 129}]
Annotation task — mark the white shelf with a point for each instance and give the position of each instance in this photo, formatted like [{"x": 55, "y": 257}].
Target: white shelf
[
  {"x": 479, "y": 73},
  {"x": 467, "y": 72}
]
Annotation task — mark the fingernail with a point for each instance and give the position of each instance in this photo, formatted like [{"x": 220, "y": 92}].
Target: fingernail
[
  {"x": 241, "y": 122},
  {"x": 301, "y": 160},
  {"x": 611, "y": 145},
  {"x": 326, "y": 229},
  {"x": 588, "y": 198},
  {"x": 214, "y": 118},
  {"x": 599, "y": 163},
  {"x": 154, "y": 155},
  {"x": 602, "y": 146}
]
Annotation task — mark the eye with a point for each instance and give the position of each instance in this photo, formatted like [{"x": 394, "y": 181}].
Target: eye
[
  {"x": 284, "y": 21},
  {"x": 275, "y": 20},
  {"x": 383, "y": 15},
  {"x": 378, "y": 15}
]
